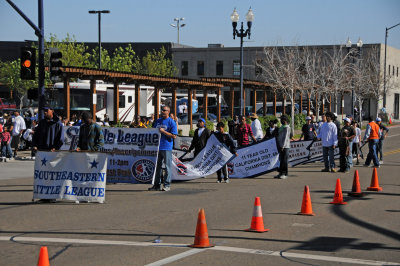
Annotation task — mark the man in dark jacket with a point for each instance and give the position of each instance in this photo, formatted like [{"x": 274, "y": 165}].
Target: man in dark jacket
[
  {"x": 201, "y": 135},
  {"x": 91, "y": 136},
  {"x": 226, "y": 139},
  {"x": 49, "y": 133}
]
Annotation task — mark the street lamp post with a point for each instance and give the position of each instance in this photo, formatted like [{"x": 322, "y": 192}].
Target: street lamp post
[
  {"x": 384, "y": 71},
  {"x": 241, "y": 34},
  {"x": 178, "y": 25},
  {"x": 99, "y": 12},
  {"x": 353, "y": 55}
]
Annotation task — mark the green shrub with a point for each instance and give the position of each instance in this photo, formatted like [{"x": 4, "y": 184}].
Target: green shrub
[
  {"x": 210, "y": 125},
  {"x": 179, "y": 132},
  {"x": 191, "y": 133},
  {"x": 299, "y": 120}
]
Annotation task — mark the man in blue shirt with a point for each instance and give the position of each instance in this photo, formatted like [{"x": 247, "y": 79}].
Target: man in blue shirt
[
  {"x": 328, "y": 135},
  {"x": 168, "y": 130}
]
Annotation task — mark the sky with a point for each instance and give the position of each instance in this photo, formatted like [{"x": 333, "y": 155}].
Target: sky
[{"x": 276, "y": 22}]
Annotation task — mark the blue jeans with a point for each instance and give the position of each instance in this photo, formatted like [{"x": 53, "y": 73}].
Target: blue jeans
[
  {"x": 328, "y": 152},
  {"x": 350, "y": 156},
  {"x": 6, "y": 151},
  {"x": 166, "y": 158},
  {"x": 380, "y": 149},
  {"x": 372, "y": 145}
]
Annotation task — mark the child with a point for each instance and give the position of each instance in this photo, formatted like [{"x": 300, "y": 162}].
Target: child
[
  {"x": 356, "y": 141},
  {"x": 228, "y": 141},
  {"x": 344, "y": 151},
  {"x": 5, "y": 139}
]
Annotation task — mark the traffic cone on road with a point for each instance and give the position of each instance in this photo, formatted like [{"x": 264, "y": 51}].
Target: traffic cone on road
[
  {"x": 338, "y": 197},
  {"x": 374, "y": 182},
  {"x": 257, "y": 222},
  {"x": 390, "y": 120},
  {"x": 43, "y": 257},
  {"x": 306, "y": 208},
  {"x": 201, "y": 237},
  {"x": 356, "y": 189}
]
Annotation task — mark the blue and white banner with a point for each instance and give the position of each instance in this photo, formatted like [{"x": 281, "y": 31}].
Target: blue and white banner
[
  {"x": 254, "y": 160},
  {"x": 77, "y": 176},
  {"x": 132, "y": 152},
  {"x": 208, "y": 161},
  {"x": 303, "y": 152}
]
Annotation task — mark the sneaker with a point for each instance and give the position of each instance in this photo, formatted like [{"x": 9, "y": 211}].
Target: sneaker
[
  {"x": 227, "y": 181},
  {"x": 166, "y": 189},
  {"x": 377, "y": 166},
  {"x": 325, "y": 170},
  {"x": 380, "y": 162},
  {"x": 357, "y": 163},
  {"x": 333, "y": 170},
  {"x": 1, "y": 159},
  {"x": 283, "y": 177},
  {"x": 347, "y": 170},
  {"x": 218, "y": 181},
  {"x": 277, "y": 176},
  {"x": 33, "y": 158},
  {"x": 154, "y": 188},
  {"x": 365, "y": 165}
]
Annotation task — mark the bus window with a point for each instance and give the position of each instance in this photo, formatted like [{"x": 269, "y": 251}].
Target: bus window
[
  {"x": 100, "y": 102},
  {"x": 129, "y": 99},
  {"x": 122, "y": 101}
]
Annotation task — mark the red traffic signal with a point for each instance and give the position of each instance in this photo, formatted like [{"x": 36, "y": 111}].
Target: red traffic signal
[{"x": 28, "y": 63}]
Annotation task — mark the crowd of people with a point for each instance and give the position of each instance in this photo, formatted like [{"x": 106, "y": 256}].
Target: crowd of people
[{"x": 47, "y": 135}]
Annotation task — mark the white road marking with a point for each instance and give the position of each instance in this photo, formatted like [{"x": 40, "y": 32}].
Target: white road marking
[
  {"x": 176, "y": 257},
  {"x": 302, "y": 225},
  {"x": 194, "y": 251},
  {"x": 392, "y": 136}
]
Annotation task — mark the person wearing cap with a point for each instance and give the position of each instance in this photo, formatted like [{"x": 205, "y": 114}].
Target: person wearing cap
[
  {"x": 243, "y": 132},
  {"x": 350, "y": 135},
  {"x": 200, "y": 137},
  {"x": 328, "y": 135},
  {"x": 308, "y": 130},
  {"x": 256, "y": 126},
  {"x": 272, "y": 131},
  {"x": 383, "y": 131},
  {"x": 49, "y": 135},
  {"x": 372, "y": 134}
]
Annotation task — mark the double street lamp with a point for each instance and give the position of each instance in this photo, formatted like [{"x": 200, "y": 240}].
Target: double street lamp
[
  {"x": 241, "y": 33},
  {"x": 353, "y": 55},
  {"x": 99, "y": 12},
  {"x": 384, "y": 71},
  {"x": 178, "y": 25}
]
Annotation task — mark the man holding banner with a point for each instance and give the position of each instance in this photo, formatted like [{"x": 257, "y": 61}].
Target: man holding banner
[
  {"x": 168, "y": 130},
  {"x": 91, "y": 136},
  {"x": 200, "y": 137}
]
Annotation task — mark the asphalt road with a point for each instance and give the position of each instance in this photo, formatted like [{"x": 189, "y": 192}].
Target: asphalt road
[{"x": 123, "y": 230}]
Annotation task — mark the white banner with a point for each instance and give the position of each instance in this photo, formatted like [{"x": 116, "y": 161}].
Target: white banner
[
  {"x": 208, "y": 161},
  {"x": 181, "y": 146},
  {"x": 132, "y": 152},
  {"x": 77, "y": 176},
  {"x": 255, "y": 160},
  {"x": 302, "y": 152}
]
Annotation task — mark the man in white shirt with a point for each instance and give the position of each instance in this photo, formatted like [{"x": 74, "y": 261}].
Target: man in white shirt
[
  {"x": 328, "y": 135},
  {"x": 182, "y": 108},
  {"x": 18, "y": 127},
  {"x": 256, "y": 127}
]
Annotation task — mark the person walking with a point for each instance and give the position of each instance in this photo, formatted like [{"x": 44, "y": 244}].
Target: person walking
[
  {"x": 226, "y": 139},
  {"x": 48, "y": 135},
  {"x": 308, "y": 130},
  {"x": 169, "y": 131},
  {"x": 272, "y": 131},
  {"x": 383, "y": 131},
  {"x": 372, "y": 134},
  {"x": 243, "y": 133},
  {"x": 350, "y": 135},
  {"x": 344, "y": 144},
  {"x": 328, "y": 135},
  {"x": 91, "y": 136},
  {"x": 233, "y": 125},
  {"x": 5, "y": 139},
  {"x": 283, "y": 145},
  {"x": 256, "y": 127},
  {"x": 17, "y": 129},
  {"x": 356, "y": 141},
  {"x": 200, "y": 137}
]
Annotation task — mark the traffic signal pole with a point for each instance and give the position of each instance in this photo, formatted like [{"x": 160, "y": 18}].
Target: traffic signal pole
[{"x": 39, "y": 31}]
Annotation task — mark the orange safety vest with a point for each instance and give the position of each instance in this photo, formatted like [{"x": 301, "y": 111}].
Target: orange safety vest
[{"x": 374, "y": 134}]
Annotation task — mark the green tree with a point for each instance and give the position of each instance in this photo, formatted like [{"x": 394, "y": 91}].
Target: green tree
[
  {"x": 156, "y": 63},
  {"x": 10, "y": 75}
]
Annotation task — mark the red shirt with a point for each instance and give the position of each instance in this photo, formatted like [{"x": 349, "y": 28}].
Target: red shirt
[
  {"x": 243, "y": 134},
  {"x": 5, "y": 137}
]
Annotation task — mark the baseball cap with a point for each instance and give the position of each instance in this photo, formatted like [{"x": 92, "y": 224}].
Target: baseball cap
[
  {"x": 378, "y": 119},
  {"x": 347, "y": 120},
  {"x": 202, "y": 120},
  {"x": 308, "y": 118}
]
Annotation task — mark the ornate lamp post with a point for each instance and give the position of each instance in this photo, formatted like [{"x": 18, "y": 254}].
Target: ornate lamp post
[{"x": 241, "y": 34}]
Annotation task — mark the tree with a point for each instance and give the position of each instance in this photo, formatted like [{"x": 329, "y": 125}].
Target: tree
[
  {"x": 156, "y": 63},
  {"x": 10, "y": 75}
]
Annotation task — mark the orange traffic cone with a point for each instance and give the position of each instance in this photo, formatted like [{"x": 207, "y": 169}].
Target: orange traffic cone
[
  {"x": 356, "y": 189},
  {"x": 306, "y": 208},
  {"x": 201, "y": 237},
  {"x": 257, "y": 223},
  {"x": 338, "y": 198},
  {"x": 390, "y": 120},
  {"x": 374, "y": 182},
  {"x": 43, "y": 257}
]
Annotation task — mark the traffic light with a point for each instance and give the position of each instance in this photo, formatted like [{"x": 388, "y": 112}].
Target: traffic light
[
  {"x": 55, "y": 64},
  {"x": 28, "y": 63}
]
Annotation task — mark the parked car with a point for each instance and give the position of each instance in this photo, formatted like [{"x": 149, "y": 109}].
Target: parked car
[
  {"x": 184, "y": 120},
  {"x": 6, "y": 104}
]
